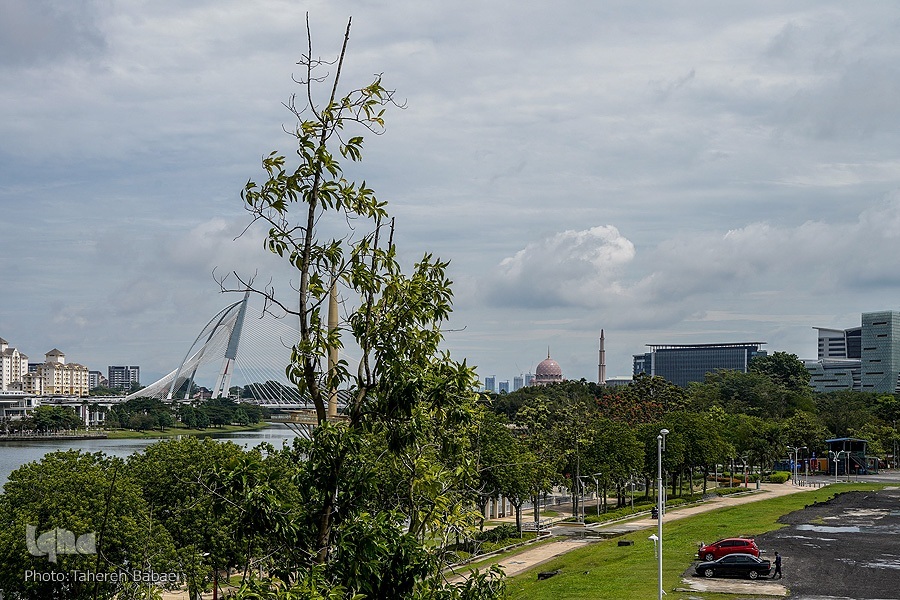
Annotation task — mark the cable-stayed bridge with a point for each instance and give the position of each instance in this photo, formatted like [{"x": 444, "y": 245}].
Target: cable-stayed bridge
[{"x": 240, "y": 346}]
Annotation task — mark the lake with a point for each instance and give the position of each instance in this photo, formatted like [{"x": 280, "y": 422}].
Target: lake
[{"x": 15, "y": 454}]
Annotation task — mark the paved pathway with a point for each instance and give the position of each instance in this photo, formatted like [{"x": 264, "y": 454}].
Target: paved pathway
[{"x": 528, "y": 559}]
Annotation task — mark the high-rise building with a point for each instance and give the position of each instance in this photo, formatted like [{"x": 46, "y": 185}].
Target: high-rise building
[
  {"x": 96, "y": 379},
  {"x": 529, "y": 379},
  {"x": 880, "y": 351},
  {"x": 865, "y": 358},
  {"x": 504, "y": 387},
  {"x": 518, "y": 383},
  {"x": 13, "y": 367},
  {"x": 55, "y": 376},
  {"x": 490, "y": 383},
  {"x": 683, "y": 363},
  {"x": 122, "y": 378},
  {"x": 839, "y": 343}
]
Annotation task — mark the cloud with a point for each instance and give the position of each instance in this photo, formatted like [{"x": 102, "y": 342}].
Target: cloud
[
  {"x": 572, "y": 268},
  {"x": 37, "y": 32}
]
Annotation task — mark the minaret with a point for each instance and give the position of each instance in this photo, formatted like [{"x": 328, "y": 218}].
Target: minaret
[{"x": 601, "y": 375}]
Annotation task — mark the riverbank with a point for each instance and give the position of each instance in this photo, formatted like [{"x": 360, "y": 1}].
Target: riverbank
[
  {"x": 44, "y": 437},
  {"x": 169, "y": 432}
]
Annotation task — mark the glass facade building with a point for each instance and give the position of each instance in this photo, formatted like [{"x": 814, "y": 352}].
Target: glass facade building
[
  {"x": 880, "y": 351},
  {"x": 865, "y": 358},
  {"x": 683, "y": 363}
]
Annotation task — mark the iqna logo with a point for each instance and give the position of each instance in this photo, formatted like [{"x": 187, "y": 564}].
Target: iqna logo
[{"x": 58, "y": 541}]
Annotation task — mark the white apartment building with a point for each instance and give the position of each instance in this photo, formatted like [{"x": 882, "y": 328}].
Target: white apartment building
[
  {"x": 55, "y": 377},
  {"x": 13, "y": 367}
]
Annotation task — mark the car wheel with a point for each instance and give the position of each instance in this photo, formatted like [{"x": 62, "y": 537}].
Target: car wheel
[
  {"x": 753, "y": 574},
  {"x": 708, "y": 573},
  {"x": 709, "y": 556}
]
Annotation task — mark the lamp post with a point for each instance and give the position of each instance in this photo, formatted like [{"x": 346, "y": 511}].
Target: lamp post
[
  {"x": 796, "y": 450},
  {"x": 581, "y": 483},
  {"x": 660, "y": 445},
  {"x": 595, "y": 476}
]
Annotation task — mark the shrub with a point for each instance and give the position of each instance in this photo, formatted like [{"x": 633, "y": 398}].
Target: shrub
[
  {"x": 779, "y": 477},
  {"x": 500, "y": 532}
]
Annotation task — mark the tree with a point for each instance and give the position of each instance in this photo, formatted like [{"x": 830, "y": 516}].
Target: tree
[
  {"x": 407, "y": 398},
  {"x": 784, "y": 369},
  {"x": 53, "y": 418},
  {"x": 112, "y": 528}
]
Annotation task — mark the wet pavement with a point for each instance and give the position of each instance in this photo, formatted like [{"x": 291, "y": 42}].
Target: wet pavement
[{"x": 846, "y": 548}]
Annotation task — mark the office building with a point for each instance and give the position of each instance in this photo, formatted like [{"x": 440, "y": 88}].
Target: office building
[
  {"x": 880, "y": 351},
  {"x": 490, "y": 384},
  {"x": 683, "y": 363},
  {"x": 518, "y": 383},
  {"x": 864, "y": 358},
  {"x": 122, "y": 378},
  {"x": 504, "y": 387}
]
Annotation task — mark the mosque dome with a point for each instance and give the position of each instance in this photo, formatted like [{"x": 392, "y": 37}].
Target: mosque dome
[{"x": 548, "y": 371}]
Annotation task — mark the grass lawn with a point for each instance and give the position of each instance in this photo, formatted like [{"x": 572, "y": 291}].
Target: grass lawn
[
  {"x": 122, "y": 434},
  {"x": 606, "y": 570}
]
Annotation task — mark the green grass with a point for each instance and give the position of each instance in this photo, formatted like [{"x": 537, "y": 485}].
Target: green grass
[{"x": 606, "y": 570}]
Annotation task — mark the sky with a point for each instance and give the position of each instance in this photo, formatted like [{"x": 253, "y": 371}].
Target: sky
[{"x": 671, "y": 172}]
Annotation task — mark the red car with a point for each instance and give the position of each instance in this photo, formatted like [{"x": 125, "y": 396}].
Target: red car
[{"x": 719, "y": 549}]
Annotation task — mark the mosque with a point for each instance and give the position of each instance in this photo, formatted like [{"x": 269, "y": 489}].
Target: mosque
[{"x": 548, "y": 371}]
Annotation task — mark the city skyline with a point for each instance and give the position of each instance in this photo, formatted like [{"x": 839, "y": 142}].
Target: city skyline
[{"x": 670, "y": 173}]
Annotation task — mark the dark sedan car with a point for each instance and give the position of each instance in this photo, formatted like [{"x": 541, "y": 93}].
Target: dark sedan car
[{"x": 735, "y": 565}]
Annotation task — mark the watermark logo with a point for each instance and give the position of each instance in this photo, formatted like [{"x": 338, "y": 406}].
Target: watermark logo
[{"x": 58, "y": 541}]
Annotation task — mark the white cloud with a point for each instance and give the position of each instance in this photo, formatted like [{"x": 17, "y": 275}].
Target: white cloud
[{"x": 572, "y": 268}]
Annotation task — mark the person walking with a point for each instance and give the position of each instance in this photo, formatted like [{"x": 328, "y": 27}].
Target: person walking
[{"x": 777, "y": 574}]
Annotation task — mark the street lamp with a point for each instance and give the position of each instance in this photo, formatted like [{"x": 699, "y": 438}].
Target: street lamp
[
  {"x": 796, "y": 449},
  {"x": 660, "y": 445},
  {"x": 595, "y": 477},
  {"x": 835, "y": 455},
  {"x": 581, "y": 484}
]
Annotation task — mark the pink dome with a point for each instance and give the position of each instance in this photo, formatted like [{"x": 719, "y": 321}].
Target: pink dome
[
  {"x": 547, "y": 371},
  {"x": 548, "y": 368}
]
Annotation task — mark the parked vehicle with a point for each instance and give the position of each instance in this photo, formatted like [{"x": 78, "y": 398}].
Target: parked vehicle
[
  {"x": 735, "y": 565},
  {"x": 728, "y": 546}
]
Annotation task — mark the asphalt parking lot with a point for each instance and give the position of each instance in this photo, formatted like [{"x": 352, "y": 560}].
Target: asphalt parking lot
[{"x": 846, "y": 548}]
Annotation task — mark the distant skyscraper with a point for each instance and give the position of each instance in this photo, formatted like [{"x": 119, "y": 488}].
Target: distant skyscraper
[
  {"x": 96, "y": 379},
  {"x": 880, "y": 351},
  {"x": 122, "y": 377},
  {"x": 504, "y": 387},
  {"x": 490, "y": 384},
  {"x": 518, "y": 383},
  {"x": 529, "y": 379}
]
